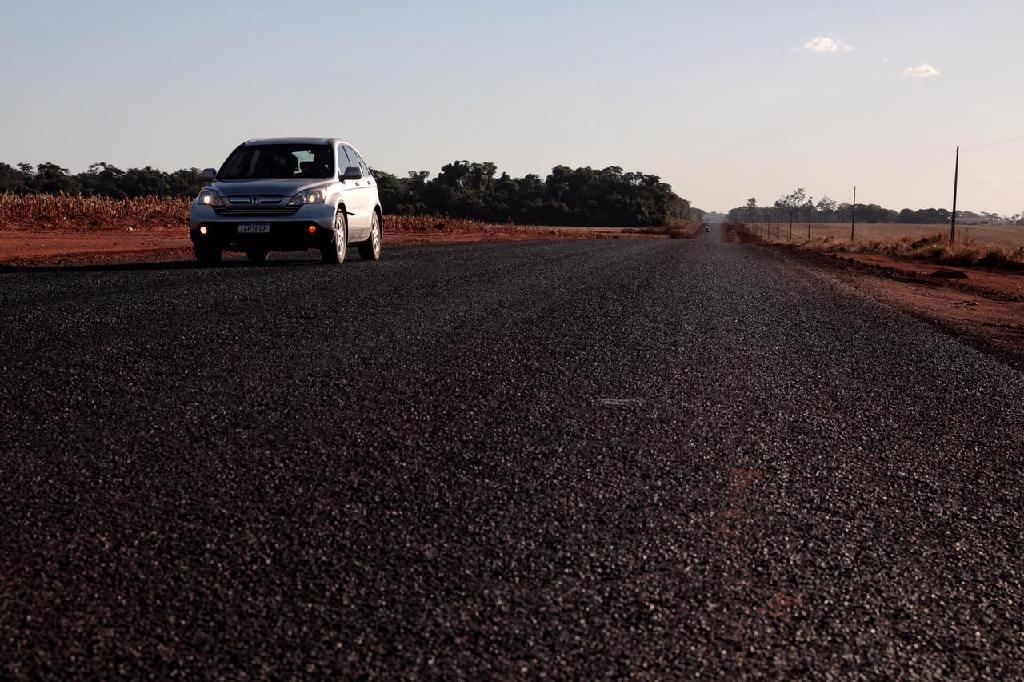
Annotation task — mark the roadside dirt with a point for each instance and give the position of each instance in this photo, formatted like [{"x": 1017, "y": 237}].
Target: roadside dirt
[
  {"x": 984, "y": 307},
  {"x": 56, "y": 247},
  {"x": 26, "y": 247}
]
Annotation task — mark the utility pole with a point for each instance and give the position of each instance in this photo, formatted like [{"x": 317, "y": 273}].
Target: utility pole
[
  {"x": 853, "y": 215},
  {"x": 956, "y": 183}
]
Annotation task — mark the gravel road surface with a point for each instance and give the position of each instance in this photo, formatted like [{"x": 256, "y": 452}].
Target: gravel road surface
[{"x": 573, "y": 459}]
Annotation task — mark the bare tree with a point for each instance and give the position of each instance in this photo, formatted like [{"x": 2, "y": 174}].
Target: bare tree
[
  {"x": 827, "y": 207},
  {"x": 791, "y": 203},
  {"x": 751, "y": 211}
]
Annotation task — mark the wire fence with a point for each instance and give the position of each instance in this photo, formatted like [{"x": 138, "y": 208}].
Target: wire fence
[{"x": 766, "y": 221}]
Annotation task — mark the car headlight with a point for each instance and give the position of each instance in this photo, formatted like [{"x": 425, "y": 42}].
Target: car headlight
[
  {"x": 310, "y": 196},
  {"x": 209, "y": 198}
]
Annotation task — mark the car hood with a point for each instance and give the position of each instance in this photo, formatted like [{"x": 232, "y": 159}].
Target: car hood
[{"x": 284, "y": 188}]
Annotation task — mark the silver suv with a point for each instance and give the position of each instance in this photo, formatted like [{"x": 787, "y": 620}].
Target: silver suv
[{"x": 288, "y": 194}]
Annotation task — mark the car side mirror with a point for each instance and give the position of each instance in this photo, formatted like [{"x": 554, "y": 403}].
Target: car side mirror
[
  {"x": 208, "y": 174},
  {"x": 351, "y": 173}
]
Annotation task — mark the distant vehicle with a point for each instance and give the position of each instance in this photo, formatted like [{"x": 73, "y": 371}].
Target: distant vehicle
[
  {"x": 288, "y": 194},
  {"x": 707, "y": 228}
]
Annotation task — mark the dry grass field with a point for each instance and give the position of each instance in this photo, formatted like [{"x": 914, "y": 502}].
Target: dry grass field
[
  {"x": 64, "y": 212},
  {"x": 993, "y": 246},
  {"x": 1004, "y": 236}
]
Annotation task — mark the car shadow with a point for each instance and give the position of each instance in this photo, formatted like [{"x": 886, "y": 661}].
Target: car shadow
[{"x": 157, "y": 266}]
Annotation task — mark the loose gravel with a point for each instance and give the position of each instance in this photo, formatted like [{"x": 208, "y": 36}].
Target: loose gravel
[{"x": 567, "y": 459}]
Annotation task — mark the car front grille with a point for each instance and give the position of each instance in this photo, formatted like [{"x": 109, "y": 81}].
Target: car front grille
[
  {"x": 254, "y": 199},
  {"x": 257, "y": 210}
]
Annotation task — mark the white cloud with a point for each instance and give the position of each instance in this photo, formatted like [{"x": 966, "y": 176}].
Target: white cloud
[
  {"x": 826, "y": 45},
  {"x": 921, "y": 71}
]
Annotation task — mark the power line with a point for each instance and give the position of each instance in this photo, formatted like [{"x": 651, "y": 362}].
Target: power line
[
  {"x": 927, "y": 170},
  {"x": 942, "y": 161},
  {"x": 993, "y": 144}
]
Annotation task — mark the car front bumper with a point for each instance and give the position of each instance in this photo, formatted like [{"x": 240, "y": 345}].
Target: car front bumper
[{"x": 311, "y": 226}]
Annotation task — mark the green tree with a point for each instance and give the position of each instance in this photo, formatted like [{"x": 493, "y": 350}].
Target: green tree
[
  {"x": 14, "y": 180},
  {"x": 52, "y": 179}
]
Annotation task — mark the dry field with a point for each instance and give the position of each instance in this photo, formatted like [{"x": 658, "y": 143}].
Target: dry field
[
  {"x": 72, "y": 229},
  {"x": 995, "y": 246},
  {"x": 1005, "y": 236},
  {"x": 62, "y": 212}
]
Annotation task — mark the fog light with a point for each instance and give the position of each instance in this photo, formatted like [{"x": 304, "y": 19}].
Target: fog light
[
  {"x": 202, "y": 230},
  {"x": 312, "y": 229}
]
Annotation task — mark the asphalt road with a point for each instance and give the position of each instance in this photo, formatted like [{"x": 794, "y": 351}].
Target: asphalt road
[{"x": 578, "y": 459}]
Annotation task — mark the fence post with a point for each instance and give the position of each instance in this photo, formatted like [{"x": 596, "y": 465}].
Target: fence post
[{"x": 853, "y": 216}]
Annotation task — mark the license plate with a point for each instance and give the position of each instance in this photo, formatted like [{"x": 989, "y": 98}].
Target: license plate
[{"x": 262, "y": 228}]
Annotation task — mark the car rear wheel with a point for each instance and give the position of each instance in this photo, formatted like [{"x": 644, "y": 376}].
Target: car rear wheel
[
  {"x": 206, "y": 253},
  {"x": 257, "y": 256},
  {"x": 336, "y": 250},
  {"x": 371, "y": 248}
]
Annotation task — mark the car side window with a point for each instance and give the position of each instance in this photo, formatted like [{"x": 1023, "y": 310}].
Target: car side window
[
  {"x": 343, "y": 159},
  {"x": 362, "y": 164},
  {"x": 356, "y": 161}
]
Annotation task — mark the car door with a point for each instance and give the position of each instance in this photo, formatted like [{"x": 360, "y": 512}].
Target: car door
[
  {"x": 371, "y": 184},
  {"x": 354, "y": 197},
  {"x": 358, "y": 196}
]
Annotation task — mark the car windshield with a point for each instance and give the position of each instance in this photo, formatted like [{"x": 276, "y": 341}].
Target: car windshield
[{"x": 278, "y": 162}]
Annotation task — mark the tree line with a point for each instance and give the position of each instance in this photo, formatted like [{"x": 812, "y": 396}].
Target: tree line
[
  {"x": 798, "y": 206},
  {"x": 567, "y": 196},
  {"x": 463, "y": 189},
  {"x": 101, "y": 179}
]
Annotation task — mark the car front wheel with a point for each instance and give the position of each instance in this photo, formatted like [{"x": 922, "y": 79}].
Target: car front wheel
[{"x": 336, "y": 250}]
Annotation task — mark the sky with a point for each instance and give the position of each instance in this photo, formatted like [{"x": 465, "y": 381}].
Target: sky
[{"x": 724, "y": 100}]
